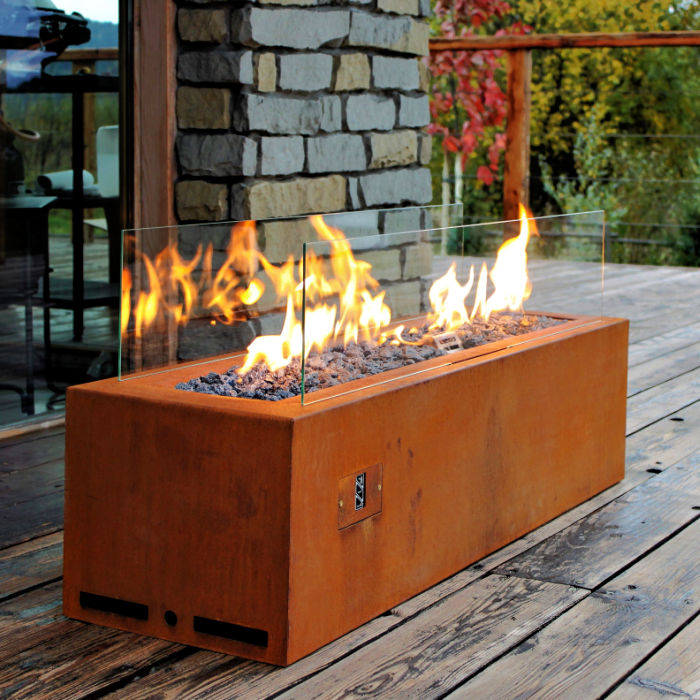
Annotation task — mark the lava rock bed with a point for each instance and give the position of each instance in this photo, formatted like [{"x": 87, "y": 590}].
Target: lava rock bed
[{"x": 339, "y": 364}]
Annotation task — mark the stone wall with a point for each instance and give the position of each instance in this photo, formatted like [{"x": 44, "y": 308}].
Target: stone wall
[
  {"x": 291, "y": 107},
  {"x": 287, "y": 107}
]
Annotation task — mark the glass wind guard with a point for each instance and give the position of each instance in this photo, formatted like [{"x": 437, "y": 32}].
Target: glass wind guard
[
  {"x": 379, "y": 308},
  {"x": 201, "y": 292}
]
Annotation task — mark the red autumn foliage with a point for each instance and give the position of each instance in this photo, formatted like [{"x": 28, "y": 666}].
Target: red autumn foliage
[{"x": 468, "y": 106}]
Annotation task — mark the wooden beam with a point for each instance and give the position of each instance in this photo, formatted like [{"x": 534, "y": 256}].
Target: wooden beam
[
  {"x": 566, "y": 41},
  {"x": 517, "y": 156},
  {"x": 154, "y": 113},
  {"x": 153, "y": 151}
]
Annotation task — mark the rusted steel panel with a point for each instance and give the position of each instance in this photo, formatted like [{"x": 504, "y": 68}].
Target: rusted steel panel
[{"x": 225, "y": 512}]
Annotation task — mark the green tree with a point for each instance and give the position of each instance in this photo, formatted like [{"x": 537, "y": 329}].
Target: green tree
[{"x": 606, "y": 124}]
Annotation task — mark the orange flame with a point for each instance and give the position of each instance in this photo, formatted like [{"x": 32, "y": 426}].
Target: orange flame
[
  {"x": 509, "y": 273},
  {"x": 334, "y": 293},
  {"x": 447, "y": 297},
  {"x": 172, "y": 289},
  {"x": 125, "y": 311},
  {"x": 338, "y": 308},
  {"x": 509, "y": 277}
]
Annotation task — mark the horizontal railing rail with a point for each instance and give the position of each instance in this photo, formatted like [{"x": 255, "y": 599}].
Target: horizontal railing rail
[{"x": 587, "y": 40}]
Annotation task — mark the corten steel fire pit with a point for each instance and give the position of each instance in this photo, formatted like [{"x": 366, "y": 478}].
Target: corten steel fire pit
[{"x": 267, "y": 528}]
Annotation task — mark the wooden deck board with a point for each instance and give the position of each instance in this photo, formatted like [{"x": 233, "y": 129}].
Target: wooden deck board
[
  {"x": 52, "y": 656},
  {"x": 590, "y": 647},
  {"x": 20, "y": 522},
  {"x": 32, "y": 450},
  {"x": 659, "y": 401},
  {"x": 629, "y": 624},
  {"x": 596, "y": 547},
  {"x": 437, "y": 650},
  {"x": 662, "y": 369},
  {"x": 674, "y": 671},
  {"x": 663, "y": 344},
  {"x": 30, "y": 564}
]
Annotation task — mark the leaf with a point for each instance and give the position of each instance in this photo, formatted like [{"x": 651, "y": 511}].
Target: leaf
[
  {"x": 484, "y": 174},
  {"x": 450, "y": 143}
]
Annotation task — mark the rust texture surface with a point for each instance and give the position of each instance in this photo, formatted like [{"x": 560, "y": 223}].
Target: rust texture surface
[{"x": 221, "y": 515}]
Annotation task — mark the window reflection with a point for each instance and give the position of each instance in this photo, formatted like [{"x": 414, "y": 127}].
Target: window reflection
[{"x": 59, "y": 201}]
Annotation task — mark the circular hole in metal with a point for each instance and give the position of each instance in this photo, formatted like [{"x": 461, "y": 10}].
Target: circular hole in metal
[{"x": 170, "y": 618}]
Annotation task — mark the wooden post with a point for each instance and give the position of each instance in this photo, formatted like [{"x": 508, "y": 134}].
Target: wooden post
[
  {"x": 517, "y": 159},
  {"x": 154, "y": 114},
  {"x": 154, "y": 172}
]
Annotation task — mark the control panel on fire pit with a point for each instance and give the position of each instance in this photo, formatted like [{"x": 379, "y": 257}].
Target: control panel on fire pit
[{"x": 359, "y": 496}]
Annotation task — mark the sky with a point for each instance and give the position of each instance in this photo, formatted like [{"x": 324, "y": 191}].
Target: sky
[{"x": 101, "y": 10}]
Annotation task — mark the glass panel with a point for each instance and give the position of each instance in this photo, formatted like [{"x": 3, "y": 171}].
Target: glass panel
[
  {"x": 194, "y": 292},
  {"x": 380, "y": 307},
  {"x": 238, "y": 305}
]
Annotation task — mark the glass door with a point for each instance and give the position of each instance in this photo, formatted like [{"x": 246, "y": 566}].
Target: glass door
[{"x": 60, "y": 215}]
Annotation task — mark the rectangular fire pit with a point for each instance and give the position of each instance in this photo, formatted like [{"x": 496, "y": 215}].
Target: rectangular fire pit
[{"x": 267, "y": 529}]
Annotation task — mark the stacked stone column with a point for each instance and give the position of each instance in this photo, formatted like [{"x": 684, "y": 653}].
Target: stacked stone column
[{"x": 287, "y": 108}]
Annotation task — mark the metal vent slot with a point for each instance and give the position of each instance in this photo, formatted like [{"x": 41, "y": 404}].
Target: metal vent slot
[
  {"x": 228, "y": 630},
  {"x": 114, "y": 605}
]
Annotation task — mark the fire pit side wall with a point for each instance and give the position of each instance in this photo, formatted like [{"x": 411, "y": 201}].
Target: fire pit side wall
[
  {"x": 181, "y": 511},
  {"x": 472, "y": 459}
]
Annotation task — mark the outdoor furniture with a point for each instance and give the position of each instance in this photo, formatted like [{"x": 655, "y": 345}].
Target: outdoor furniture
[{"x": 77, "y": 294}]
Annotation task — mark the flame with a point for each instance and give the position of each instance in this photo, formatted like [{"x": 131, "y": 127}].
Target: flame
[
  {"x": 252, "y": 293},
  {"x": 339, "y": 308},
  {"x": 276, "y": 351},
  {"x": 509, "y": 277},
  {"x": 147, "y": 306},
  {"x": 360, "y": 314},
  {"x": 126, "y": 300},
  {"x": 447, "y": 297},
  {"x": 480, "y": 305},
  {"x": 336, "y": 294},
  {"x": 509, "y": 273},
  {"x": 224, "y": 295},
  {"x": 172, "y": 289}
]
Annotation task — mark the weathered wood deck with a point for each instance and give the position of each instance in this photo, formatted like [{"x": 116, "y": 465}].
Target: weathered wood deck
[{"x": 602, "y": 601}]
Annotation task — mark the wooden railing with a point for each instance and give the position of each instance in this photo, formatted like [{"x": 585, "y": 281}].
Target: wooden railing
[{"x": 517, "y": 155}]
